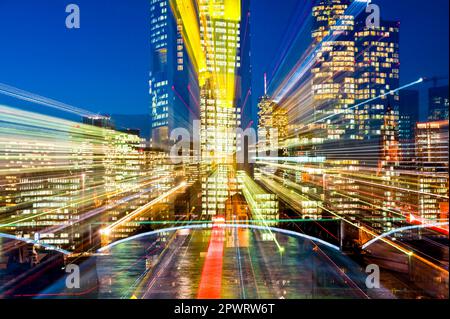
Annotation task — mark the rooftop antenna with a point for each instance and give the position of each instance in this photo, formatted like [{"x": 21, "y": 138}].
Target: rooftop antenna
[{"x": 265, "y": 83}]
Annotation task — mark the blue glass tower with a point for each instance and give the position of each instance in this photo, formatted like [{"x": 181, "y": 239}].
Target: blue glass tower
[{"x": 173, "y": 86}]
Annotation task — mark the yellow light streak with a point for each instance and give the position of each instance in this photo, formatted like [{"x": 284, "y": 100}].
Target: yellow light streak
[{"x": 142, "y": 209}]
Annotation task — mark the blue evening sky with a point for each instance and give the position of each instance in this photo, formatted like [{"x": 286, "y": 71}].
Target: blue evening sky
[{"x": 103, "y": 67}]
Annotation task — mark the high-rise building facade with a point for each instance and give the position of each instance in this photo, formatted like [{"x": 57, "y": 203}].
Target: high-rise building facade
[
  {"x": 272, "y": 124},
  {"x": 378, "y": 77},
  {"x": 334, "y": 89},
  {"x": 438, "y": 103},
  {"x": 433, "y": 180},
  {"x": 377, "y": 73},
  {"x": 333, "y": 71},
  {"x": 173, "y": 86},
  {"x": 223, "y": 34},
  {"x": 355, "y": 71}
]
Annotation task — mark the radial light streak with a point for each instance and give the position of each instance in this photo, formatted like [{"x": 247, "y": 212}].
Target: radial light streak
[
  {"x": 253, "y": 194},
  {"x": 137, "y": 212},
  {"x": 209, "y": 226},
  {"x": 399, "y": 230},
  {"x": 34, "y": 98},
  {"x": 370, "y": 100},
  {"x": 35, "y": 242}
]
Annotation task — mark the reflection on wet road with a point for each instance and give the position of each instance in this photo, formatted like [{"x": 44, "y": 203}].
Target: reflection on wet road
[{"x": 228, "y": 264}]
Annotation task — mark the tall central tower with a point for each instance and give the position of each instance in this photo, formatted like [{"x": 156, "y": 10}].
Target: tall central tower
[
  {"x": 220, "y": 39},
  {"x": 221, "y": 23},
  {"x": 217, "y": 37}
]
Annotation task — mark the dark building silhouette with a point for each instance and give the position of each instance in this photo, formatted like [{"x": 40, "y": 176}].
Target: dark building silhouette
[
  {"x": 438, "y": 103},
  {"x": 408, "y": 118}
]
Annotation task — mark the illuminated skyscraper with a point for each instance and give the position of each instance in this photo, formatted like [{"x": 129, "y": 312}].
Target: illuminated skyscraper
[
  {"x": 272, "y": 124},
  {"x": 173, "y": 85},
  {"x": 334, "y": 92},
  {"x": 377, "y": 73},
  {"x": 353, "y": 63},
  {"x": 356, "y": 65},
  {"x": 333, "y": 71},
  {"x": 377, "y": 113},
  {"x": 223, "y": 31}
]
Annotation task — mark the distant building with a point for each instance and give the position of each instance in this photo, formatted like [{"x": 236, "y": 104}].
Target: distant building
[
  {"x": 236, "y": 208},
  {"x": 141, "y": 122},
  {"x": 65, "y": 181},
  {"x": 103, "y": 121},
  {"x": 130, "y": 131},
  {"x": 408, "y": 117},
  {"x": 438, "y": 103},
  {"x": 432, "y": 156},
  {"x": 272, "y": 124}
]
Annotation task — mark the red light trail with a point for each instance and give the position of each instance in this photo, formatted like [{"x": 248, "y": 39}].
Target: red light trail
[{"x": 211, "y": 279}]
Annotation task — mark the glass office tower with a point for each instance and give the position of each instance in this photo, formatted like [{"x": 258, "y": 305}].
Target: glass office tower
[
  {"x": 224, "y": 29},
  {"x": 173, "y": 85}
]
